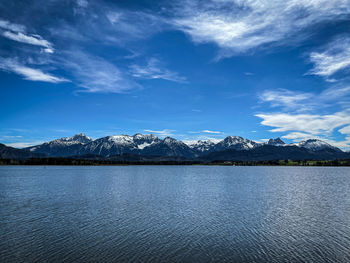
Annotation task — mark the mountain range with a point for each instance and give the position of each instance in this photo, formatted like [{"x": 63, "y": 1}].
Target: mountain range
[{"x": 232, "y": 148}]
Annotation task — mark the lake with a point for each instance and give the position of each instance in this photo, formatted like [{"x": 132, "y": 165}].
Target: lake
[{"x": 174, "y": 214}]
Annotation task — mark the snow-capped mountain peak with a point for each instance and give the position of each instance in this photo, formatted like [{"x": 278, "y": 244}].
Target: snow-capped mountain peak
[
  {"x": 149, "y": 144},
  {"x": 120, "y": 139},
  {"x": 62, "y": 147},
  {"x": 315, "y": 145},
  {"x": 81, "y": 137},
  {"x": 237, "y": 142},
  {"x": 275, "y": 142},
  {"x": 76, "y": 139},
  {"x": 202, "y": 145},
  {"x": 140, "y": 136},
  {"x": 169, "y": 140}
]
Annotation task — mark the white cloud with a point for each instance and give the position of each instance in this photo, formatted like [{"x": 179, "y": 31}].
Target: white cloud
[
  {"x": 24, "y": 144},
  {"x": 154, "y": 70},
  {"x": 298, "y": 136},
  {"x": 95, "y": 74},
  {"x": 29, "y": 39},
  {"x": 17, "y": 33},
  {"x": 307, "y": 126},
  {"x": 48, "y": 50},
  {"x": 162, "y": 133},
  {"x": 335, "y": 57},
  {"x": 301, "y": 116},
  {"x": 336, "y": 93},
  {"x": 10, "y": 26},
  {"x": 6, "y": 137},
  {"x": 241, "y": 25},
  {"x": 82, "y": 3},
  {"x": 134, "y": 24},
  {"x": 306, "y": 101},
  {"x": 345, "y": 130},
  {"x": 214, "y": 132},
  {"x": 285, "y": 98},
  {"x": 80, "y": 7},
  {"x": 310, "y": 123},
  {"x": 11, "y": 65}
]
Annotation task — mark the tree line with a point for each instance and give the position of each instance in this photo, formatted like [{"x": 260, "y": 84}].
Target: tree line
[{"x": 73, "y": 161}]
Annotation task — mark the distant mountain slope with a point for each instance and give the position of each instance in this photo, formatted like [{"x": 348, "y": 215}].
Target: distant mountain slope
[
  {"x": 230, "y": 148},
  {"x": 270, "y": 152},
  {"x": 7, "y": 152},
  {"x": 169, "y": 147},
  {"x": 66, "y": 146},
  {"x": 235, "y": 143},
  {"x": 202, "y": 146},
  {"x": 119, "y": 144}
]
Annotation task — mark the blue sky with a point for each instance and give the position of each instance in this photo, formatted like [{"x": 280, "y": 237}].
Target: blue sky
[{"x": 188, "y": 69}]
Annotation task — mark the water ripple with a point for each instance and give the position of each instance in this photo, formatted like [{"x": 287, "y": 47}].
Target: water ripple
[{"x": 174, "y": 214}]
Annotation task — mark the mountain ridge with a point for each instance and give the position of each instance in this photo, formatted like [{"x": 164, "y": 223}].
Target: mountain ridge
[
  {"x": 149, "y": 144},
  {"x": 229, "y": 148}
]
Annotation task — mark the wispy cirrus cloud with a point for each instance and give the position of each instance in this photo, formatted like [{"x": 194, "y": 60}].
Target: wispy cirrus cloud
[
  {"x": 95, "y": 74},
  {"x": 12, "y": 65},
  {"x": 131, "y": 25},
  {"x": 92, "y": 73},
  {"x": 18, "y": 33},
  {"x": 213, "y": 132},
  {"x": 333, "y": 58},
  {"x": 207, "y": 131},
  {"x": 299, "y": 101},
  {"x": 35, "y": 40},
  {"x": 163, "y": 133},
  {"x": 155, "y": 70},
  {"x": 4, "y": 24},
  {"x": 239, "y": 26},
  {"x": 80, "y": 7},
  {"x": 285, "y": 98}
]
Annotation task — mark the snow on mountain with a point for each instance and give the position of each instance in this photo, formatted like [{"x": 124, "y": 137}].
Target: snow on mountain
[
  {"x": 275, "y": 142},
  {"x": 168, "y": 147},
  {"x": 120, "y": 139},
  {"x": 316, "y": 145},
  {"x": 236, "y": 143},
  {"x": 144, "y": 140},
  {"x": 119, "y": 144},
  {"x": 78, "y": 138},
  {"x": 65, "y": 146},
  {"x": 202, "y": 145},
  {"x": 143, "y": 145},
  {"x": 110, "y": 145},
  {"x": 150, "y": 144},
  {"x": 66, "y": 141}
]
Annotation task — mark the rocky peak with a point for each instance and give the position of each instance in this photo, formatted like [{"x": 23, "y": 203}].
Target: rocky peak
[{"x": 276, "y": 142}]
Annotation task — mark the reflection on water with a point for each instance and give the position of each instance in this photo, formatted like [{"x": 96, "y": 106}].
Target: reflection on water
[{"x": 174, "y": 214}]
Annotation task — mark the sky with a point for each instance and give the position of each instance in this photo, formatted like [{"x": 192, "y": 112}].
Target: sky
[{"x": 187, "y": 69}]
